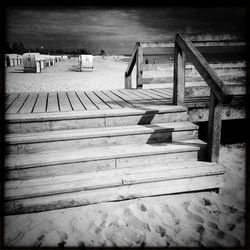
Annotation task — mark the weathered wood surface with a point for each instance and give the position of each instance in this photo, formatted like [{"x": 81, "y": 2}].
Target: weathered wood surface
[
  {"x": 109, "y": 178},
  {"x": 80, "y": 138},
  {"x": 162, "y": 182},
  {"x": 139, "y": 61},
  {"x": 86, "y": 154},
  {"x": 179, "y": 76}
]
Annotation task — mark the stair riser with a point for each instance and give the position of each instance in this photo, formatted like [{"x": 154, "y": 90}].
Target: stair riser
[
  {"x": 98, "y": 165},
  {"x": 157, "y": 136},
  {"x": 35, "y": 126},
  {"x": 112, "y": 194}
]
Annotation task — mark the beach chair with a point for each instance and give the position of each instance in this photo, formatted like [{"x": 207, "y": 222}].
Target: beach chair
[
  {"x": 85, "y": 62},
  {"x": 31, "y": 63}
]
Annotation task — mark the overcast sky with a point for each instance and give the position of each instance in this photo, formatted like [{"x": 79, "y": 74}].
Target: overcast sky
[{"x": 114, "y": 29}]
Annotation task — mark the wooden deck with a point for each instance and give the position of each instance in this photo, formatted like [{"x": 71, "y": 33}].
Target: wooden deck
[{"x": 47, "y": 102}]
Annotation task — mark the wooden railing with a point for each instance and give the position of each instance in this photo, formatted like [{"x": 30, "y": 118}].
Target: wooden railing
[{"x": 219, "y": 93}]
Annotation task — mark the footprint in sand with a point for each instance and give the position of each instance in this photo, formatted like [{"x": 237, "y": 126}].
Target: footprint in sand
[
  {"x": 166, "y": 208},
  {"x": 192, "y": 215}
]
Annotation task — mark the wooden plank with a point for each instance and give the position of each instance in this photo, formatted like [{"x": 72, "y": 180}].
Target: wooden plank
[
  {"x": 146, "y": 94},
  {"x": 52, "y": 105},
  {"x": 101, "y": 153},
  {"x": 155, "y": 67},
  {"x": 117, "y": 99},
  {"x": 158, "y": 94},
  {"x": 217, "y": 86},
  {"x": 123, "y": 96},
  {"x": 97, "y": 101},
  {"x": 109, "y": 178},
  {"x": 41, "y": 103},
  {"x": 157, "y": 80},
  {"x": 10, "y": 99},
  {"x": 17, "y": 103},
  {"x": 74, "y": 101},
  {"x": 110, "y": 102},
  {"x": 124, "y": 192},
  {"x": 157, "y": 45},
  {"x": 133, "y": 94},
  {"x": 29, "y": 104},
  {"x": 64, "y": 104},
  {"x": 166, "y": 93},
  {"x": 150, "y": 94},
  {"x": 88, "y": 104}
]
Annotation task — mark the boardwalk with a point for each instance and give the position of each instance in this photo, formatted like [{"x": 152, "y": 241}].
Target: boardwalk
[{"x": 47, "y": 102}]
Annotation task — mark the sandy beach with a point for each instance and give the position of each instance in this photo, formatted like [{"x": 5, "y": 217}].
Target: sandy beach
[
  {"x": 185, "y": 220},
  {"x": 108, "y": 73}
]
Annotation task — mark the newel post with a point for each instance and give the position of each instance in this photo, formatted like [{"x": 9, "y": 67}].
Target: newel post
[
  {"x": 139, "y": 61},
  {"x": 214, "y": 128},
  {"x": 128, "y": 81},
  {"x": 179, "y": 76}
]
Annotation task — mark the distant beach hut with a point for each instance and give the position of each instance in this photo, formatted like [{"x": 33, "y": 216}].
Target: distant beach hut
[
  {"x": 12, "y": 59},
  {"x": 52, "y": 60},
  {"x": 85, "y": 62},
  {"x": 31, "y": 62},
  {"x": 64, "y": 57}
]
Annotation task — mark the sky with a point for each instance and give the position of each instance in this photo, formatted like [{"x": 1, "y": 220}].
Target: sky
[{"x": 112, "y": 29}]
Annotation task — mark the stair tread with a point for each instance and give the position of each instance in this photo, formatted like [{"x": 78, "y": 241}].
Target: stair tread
[
  {"x": 96, "y": 153},
  {"x": 109, "y": 178},
  {"x": 140, "y": 110},
  {"x": 72, "y": 134}
]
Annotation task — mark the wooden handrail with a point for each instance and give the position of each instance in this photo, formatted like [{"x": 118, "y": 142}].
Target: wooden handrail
[
  {"x": 130, "y": 67},
  {"x": 219, "y": 93},
  {"x": 202, "y": 66}
]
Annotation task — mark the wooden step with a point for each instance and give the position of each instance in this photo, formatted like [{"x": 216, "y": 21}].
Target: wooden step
[
  {"x": 142, "y": 114},
  {"x": 79, "y": 138},
  {"x": 61, "y": 162},
  {"x": 117, "y": 184}
]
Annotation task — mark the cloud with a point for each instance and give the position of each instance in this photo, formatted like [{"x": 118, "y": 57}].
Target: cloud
[{"x": 116, "y": 29}]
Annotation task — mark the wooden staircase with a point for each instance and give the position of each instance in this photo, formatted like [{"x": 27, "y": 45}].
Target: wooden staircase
[{"x": 66, "y": 159}]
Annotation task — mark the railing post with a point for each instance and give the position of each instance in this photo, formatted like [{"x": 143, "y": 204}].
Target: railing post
[
  {"x": 128, "y": 81},
  {"x": 214, "y": 128},
  {"x": 179, "y": 76},
  {"x": 139, "y": 61}
]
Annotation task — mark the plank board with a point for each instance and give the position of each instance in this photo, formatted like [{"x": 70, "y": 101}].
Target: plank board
[
  {"x": 96, "y": 100},
  {"x": 88, "y": 104},
  {"x": 141, "y": 95},
  {"x": 75, "y": 102},
  {"x": 153, "y": 94},
  {"x": 29, "y": 104},
  {"x": 17, "y": 103},
  {"x": 64, "y": 104},
  {"x": 166, "y": 92},
  {"x": 131, "y": 94},
  {"x": 123, "y": 96},
  {"x": 52, "y": 102},
  {"x": 111, "y": 103},
  {"x": 41, "y": 103},
  {"x": 10, "y": 99},
  {"x": 119, "y": 100}
]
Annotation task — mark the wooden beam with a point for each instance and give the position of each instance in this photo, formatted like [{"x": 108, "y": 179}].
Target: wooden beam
[
  {"x": 214, "y": 128},
  {"x": 157, "y": 44},
  {"x": 179, "y": 76},
  {"x": 139, "y": 61}
]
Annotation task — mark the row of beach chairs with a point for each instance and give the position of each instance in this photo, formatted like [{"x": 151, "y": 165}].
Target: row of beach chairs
[{"x": 33, "y": 62}]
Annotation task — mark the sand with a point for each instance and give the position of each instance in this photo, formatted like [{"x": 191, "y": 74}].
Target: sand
[
  {"x": 191, "y": 220},
  {"x": 108, "y": 73}
]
